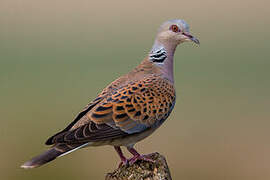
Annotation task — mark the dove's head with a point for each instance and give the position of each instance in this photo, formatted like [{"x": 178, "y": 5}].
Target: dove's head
[{"x": 175, "y": 31}]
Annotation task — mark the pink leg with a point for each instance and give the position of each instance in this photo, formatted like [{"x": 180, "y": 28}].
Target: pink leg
[
  {"x": 137, "y": 156},
  {"x": 124, "y": 160}
]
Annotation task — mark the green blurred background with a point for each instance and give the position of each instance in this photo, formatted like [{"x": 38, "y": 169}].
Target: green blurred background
[{"x": 56, "y": 55}]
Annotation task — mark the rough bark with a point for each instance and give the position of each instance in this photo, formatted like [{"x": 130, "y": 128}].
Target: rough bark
[{"x": 143, "y": 170}]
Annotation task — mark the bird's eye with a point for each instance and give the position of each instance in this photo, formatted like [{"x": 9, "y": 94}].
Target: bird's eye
[{"x": 174, "y": 28}]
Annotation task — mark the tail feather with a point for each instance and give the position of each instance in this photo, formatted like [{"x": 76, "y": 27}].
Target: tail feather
[{"x": 49, "y": 155}]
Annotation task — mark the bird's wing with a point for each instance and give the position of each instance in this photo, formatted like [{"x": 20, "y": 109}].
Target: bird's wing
[
  {"x": 81, "y": 115},
  {"x": 81, "y": 118},
  {"x": 131, "y": 109}
]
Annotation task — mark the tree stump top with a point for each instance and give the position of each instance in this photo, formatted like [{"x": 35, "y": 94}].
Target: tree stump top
[{"x": 143, "y": 170}]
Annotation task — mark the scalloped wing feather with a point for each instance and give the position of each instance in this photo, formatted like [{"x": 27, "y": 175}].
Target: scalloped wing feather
[
  {"x": 137, "y": 105},
  {"x": 131, "y": 109}
]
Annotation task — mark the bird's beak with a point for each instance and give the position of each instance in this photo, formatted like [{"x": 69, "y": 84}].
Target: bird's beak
[{"x": 191, "y": 38}]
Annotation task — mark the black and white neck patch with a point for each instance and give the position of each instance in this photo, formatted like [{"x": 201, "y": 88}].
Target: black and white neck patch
[{"x": 158, "y": 56}]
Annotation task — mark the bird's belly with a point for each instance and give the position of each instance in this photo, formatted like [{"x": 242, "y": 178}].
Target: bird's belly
[
  {"x": 132, "y": 139},
  {"x": 136, "y": 137}
]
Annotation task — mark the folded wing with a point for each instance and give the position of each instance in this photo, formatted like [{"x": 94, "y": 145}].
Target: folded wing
[{"x": 130, "y": 109}]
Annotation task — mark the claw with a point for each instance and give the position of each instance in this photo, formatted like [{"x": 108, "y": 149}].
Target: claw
[
  {"x": 123, "y": 163},
  {"x": 146, "y": 157},
  {"x": 137, "y": 156}
]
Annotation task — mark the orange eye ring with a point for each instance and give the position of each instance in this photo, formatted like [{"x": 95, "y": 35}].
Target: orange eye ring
[{"x": 175, "y": 28}]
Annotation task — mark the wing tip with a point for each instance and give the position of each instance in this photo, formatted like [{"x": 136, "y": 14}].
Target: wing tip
[
  {"x": 28, "y": 165},
  {"x": 49, "y": 141}
]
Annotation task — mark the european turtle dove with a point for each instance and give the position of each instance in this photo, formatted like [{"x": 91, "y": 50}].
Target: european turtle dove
[{"x": 130, "y": 108}]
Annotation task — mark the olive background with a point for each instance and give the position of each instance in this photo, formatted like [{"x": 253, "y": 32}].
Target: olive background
[{"x": 56, "y": 55}]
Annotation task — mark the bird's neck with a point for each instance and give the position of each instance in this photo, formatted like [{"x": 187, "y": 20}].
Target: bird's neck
[{"x": 162, "y": 55}]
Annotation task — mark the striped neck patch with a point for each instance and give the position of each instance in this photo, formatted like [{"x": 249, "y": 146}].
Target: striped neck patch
[{"x": 158, "y": 56}]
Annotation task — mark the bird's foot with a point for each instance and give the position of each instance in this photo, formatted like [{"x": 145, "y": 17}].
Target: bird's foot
[
  {"x": 123, "y": 162},
  {"x": 135, "y": 158}
]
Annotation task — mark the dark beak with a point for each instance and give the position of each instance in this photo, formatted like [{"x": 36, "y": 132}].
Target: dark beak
[{"x": 192, "y": 38}]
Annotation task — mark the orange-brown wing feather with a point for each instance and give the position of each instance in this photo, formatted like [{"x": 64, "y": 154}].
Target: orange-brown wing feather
[
  {"x": 131, "y": 109},
  {"x": 136, "y": 105}
]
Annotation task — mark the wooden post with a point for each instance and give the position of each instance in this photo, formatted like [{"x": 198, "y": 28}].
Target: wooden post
[{"x": 143, "y": 170}]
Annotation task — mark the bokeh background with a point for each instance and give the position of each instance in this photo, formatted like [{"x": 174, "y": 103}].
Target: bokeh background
[{"x": 56, "y": 55}]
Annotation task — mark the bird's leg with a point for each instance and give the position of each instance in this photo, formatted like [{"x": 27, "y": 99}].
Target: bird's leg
[
  {"x": 124, "y": 160},
  {"x": 137, "y": 156}
]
